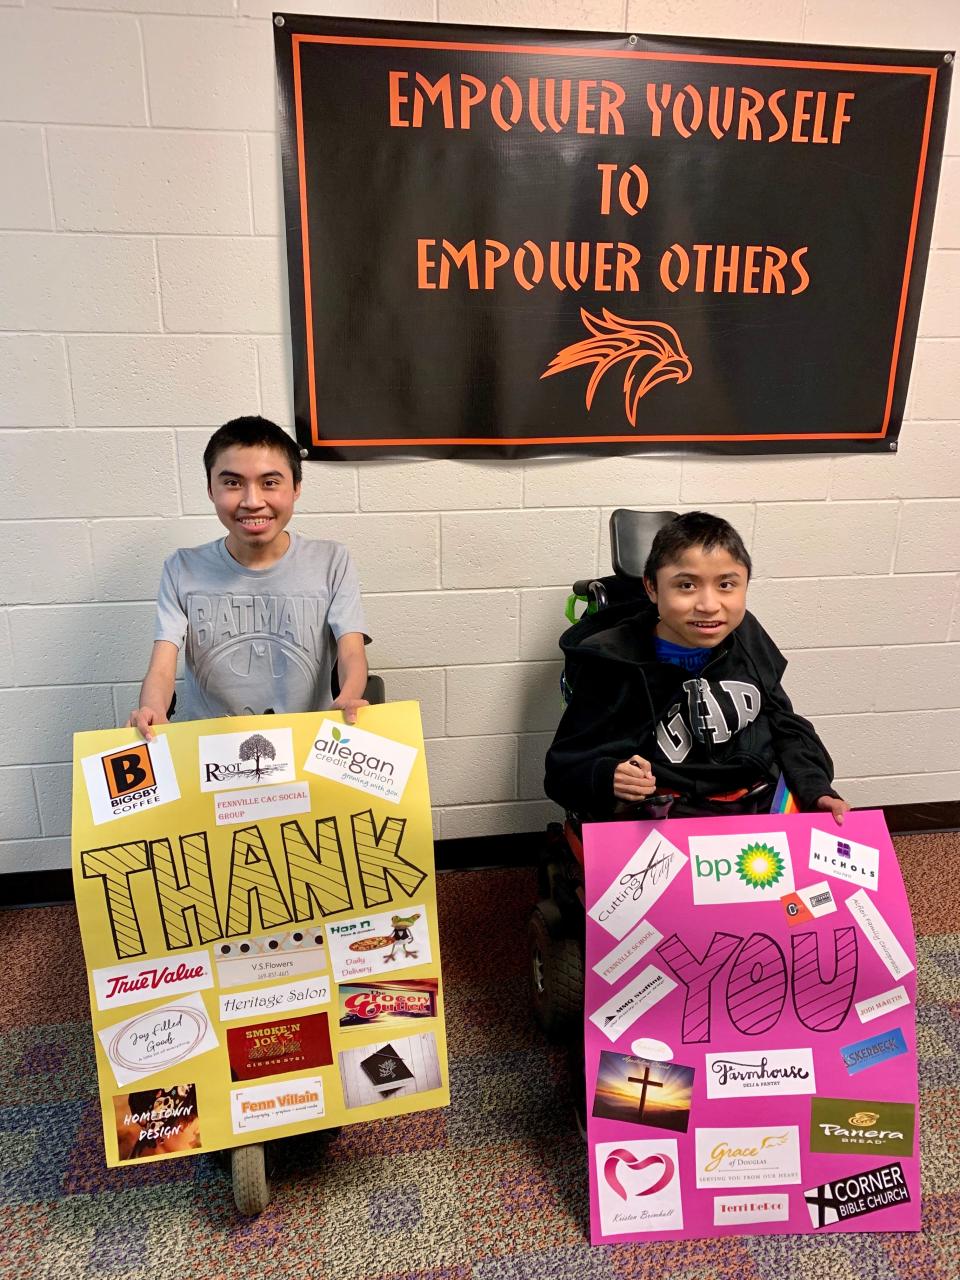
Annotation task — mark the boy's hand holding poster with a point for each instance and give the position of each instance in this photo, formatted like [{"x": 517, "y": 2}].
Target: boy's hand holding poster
[
  {"x": 751, "y": 1054},
  {"x": 257, "y": 904}
]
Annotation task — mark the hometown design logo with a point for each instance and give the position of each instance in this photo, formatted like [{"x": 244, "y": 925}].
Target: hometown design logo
[
  {"x": 130, "y": 779},
  {"x": 357, "y": 758},
  {"x": 230, "y": 760}
]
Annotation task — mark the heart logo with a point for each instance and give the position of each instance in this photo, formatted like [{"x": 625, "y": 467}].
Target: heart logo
[{"x": 622, "y": 1156}]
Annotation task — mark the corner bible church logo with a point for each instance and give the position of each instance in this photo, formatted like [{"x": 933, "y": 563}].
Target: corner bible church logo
[{"x": 129, "y": 779}]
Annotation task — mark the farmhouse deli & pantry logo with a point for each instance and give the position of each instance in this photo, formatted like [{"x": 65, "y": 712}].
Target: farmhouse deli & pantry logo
[
  {"x": 229, "y": 760},
  {"x": 359, "y": 759},
  {"x": 739, "y": 1075}
]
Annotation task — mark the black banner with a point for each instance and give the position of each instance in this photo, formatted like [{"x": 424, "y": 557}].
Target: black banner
[{"x": 509, "y": 242}]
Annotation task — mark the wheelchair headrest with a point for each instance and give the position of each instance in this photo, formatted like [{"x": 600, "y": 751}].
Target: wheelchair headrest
[{"x": 631, "y": 537}]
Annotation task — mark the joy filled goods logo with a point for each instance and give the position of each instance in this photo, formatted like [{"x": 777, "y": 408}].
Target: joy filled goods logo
[
  {"x": 357, "y": 758},
  {"x": 229, "y": 760}
]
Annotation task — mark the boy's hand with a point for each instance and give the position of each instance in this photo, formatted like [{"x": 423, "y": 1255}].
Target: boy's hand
[
  {"x": 142, "y": 718},
  {"x": 633, "y": 780},
  {"x": 349, "y": 708},
  {"x": 834, "y": 805}
]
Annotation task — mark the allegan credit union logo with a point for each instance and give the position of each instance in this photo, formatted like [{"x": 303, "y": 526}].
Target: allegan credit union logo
[
  {"x": 357, "y": 758},
  {"x": 229, "y": 760},
  {"x": 129, "y": 779}
]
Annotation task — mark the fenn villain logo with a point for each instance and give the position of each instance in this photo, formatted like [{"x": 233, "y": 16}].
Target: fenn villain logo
[{"x": 653, "y": 351}]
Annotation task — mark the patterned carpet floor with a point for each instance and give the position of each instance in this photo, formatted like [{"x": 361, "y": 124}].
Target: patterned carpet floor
[{"x": 493, "y": 1188}]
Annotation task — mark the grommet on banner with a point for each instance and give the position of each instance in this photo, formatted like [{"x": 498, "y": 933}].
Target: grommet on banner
[
  {"x": 278, "y": 20},
  {"x": 633, "y": 40}
]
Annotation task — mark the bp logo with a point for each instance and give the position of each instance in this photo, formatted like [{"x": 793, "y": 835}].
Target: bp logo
[
  {"x": 751, "y": 867},
  {"x": 760, "y": 865}
]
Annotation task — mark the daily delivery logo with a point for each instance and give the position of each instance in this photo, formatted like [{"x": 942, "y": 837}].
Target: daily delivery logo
[{"x": 129, "y": 779}]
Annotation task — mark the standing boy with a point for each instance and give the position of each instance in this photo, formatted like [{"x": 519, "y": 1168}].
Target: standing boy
[
  {"x": 681, "y": 698},
  {"x": 264, "y": 612}
]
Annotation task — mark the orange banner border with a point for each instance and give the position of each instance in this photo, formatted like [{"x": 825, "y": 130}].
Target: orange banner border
[{"x": 299, "y": 39}]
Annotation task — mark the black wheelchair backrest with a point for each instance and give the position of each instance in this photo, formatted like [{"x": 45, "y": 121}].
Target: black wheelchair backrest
[{"x": 631, "y": 537}]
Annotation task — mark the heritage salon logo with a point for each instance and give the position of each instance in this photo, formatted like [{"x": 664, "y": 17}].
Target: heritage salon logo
[
  {"x": 229, "y": 760},
  {"x": 846, "y": 1126},
  {"x": 129, "y": 779},
  {"x": 360, "y": 759}
]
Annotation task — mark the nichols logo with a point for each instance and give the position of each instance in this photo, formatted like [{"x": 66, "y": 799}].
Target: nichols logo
[{"x": 229, "y": 760}]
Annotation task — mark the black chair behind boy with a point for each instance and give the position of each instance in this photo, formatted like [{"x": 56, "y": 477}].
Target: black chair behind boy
[{"x": 556, "y": 928}]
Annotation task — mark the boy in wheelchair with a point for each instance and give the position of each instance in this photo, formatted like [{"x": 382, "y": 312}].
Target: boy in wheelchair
[{"x": 675, "y": 705}]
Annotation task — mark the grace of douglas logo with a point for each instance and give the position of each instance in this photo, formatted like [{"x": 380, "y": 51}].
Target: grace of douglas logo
[
  {"x": 360, "y": 759},
  {"x": 229, "y": 760}
]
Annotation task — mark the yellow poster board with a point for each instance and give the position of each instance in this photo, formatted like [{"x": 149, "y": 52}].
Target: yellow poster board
[{"x": 257, "y": 903}]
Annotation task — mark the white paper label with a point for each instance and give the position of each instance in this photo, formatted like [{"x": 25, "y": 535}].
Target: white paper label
[
  {"x": 275, "y": 1000},
  {"x": 638, "y": 1187},
  {"x": 759, "y": 1072},
  {"x": 752, "y": 1157},
  {"x": 272, "y": 802},
  {"x": 877, "y": 1006},
  {"x": 356, "y": 758},
  {"x": 648, "y": 874},
  {"x": 879, "y": 934},
  {"x": 835, "y": 855},
  {"x": 158, "y": 1040},
  {"x": 730, "y": 1211},
  {"x": 231, "y": 760},
  {"x": 622, "y": 1010},
  {"x": 755, "y": 867},
  {"x": 271, "y": 1106},
  {"x": 633, "y": 948},
  {"x": 143, "y": 980}
]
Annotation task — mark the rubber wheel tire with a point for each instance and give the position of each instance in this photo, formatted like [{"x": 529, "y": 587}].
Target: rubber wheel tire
[
  {"x": 251, "y": 1186},
  {"x": 556, "y": 971}
]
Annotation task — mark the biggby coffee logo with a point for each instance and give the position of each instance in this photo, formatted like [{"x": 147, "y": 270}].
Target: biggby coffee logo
[
  {"x": 844, "y": 1126},
  {"x": 229, "y": 760},
  {"x": 129, "y": 779}
]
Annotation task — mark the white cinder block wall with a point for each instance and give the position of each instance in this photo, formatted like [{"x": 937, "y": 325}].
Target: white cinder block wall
[{"x": 142, "y": 302}]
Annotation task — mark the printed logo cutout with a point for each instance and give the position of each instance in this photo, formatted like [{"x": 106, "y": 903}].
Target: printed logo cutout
[{"x": 612, "y": 1164}]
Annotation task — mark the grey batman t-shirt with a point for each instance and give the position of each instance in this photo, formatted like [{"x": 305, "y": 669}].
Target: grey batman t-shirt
[{"x": 258, "y": 640}]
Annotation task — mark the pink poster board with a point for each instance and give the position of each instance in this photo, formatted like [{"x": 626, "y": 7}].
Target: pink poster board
[{"x": 751, "y": 1056}]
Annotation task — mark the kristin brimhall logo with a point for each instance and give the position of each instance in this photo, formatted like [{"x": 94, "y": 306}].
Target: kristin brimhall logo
[{"x": 230, "y": 760}]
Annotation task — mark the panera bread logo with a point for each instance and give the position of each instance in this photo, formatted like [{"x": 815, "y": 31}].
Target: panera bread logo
[{"x": 844, "y": 1126}]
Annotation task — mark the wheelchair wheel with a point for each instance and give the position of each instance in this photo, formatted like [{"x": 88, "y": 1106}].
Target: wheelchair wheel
[
  {"x": 251, "y": 1186},
  {"x": 556, "y": 970}
]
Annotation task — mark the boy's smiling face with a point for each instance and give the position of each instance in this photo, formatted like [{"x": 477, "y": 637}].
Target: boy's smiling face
[
  {"x": 701, "y": 597},
  {"x": 253, "y": 494}
]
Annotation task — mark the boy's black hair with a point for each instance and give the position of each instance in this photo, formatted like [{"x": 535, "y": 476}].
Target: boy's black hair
[
  {"x": 249, "y": 432},
  {"x": 695, "y": 529}
]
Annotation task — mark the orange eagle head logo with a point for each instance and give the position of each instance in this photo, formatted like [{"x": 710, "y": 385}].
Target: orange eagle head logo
[{"x": 654, "y": 352}]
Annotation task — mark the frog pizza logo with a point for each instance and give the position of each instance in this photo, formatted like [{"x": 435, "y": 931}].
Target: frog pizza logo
[{"x": 130, "y": 775}]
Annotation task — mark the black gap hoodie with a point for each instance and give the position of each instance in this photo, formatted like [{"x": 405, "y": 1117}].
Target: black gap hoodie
[{"x": 729, "y": 727}]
